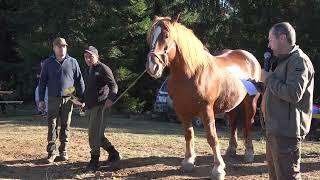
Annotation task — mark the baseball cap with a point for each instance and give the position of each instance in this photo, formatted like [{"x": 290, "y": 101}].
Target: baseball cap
[
  {"x": 59, "y": 41},
  {"x": 92, "y": 50}
]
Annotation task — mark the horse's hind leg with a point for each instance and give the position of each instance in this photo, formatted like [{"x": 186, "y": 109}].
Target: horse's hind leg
[
  {"x": 233, "y": 141},
  {"x": 209, "y": 124},
  {"x": 250, "y": 107},
  {"x": 190, "y": 155}
]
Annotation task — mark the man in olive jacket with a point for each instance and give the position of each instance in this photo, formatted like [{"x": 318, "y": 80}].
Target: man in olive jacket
[
  {"x": 288, "y": 103},
  {"x": 101, "y": 91}
]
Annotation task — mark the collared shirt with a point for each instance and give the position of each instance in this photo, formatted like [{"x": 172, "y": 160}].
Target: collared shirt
[{"x": 58, "y": 76}]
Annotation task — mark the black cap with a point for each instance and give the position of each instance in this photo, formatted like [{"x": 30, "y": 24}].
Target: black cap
[{"x": 92, "y": 50}]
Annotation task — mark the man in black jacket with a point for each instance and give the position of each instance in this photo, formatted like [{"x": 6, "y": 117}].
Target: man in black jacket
[{"x": 101, "y": 90}]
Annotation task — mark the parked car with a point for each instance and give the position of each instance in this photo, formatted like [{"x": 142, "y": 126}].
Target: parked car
[
  {"x": 162, "y": 108},
  {"x": 161, "y": 103}
]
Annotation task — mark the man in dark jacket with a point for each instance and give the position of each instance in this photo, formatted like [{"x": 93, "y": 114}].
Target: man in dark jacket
[
  {"x": 101, "y": 90},
  {"x": 60, "y": 71}
]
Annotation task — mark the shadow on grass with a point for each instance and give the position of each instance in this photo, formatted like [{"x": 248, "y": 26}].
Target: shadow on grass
[
  {"x": 147, "y": 167},
  {"x": 204, "y": 164},
  {"x": 140, "y": 168},
  {"x": 38, "y": 169}
]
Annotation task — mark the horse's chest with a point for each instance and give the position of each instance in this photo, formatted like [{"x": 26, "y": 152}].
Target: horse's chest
[
  {"x": 183, "y": 93},
  {"x": 185, "y": 96}
]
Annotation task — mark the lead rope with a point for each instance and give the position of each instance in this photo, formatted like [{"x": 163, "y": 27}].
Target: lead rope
[{"x": 119, "y": 97}]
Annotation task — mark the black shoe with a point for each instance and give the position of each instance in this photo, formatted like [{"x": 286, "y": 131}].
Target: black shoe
[
  {"x": 93, "y": 165},
  {"x": 63, "y": 156},
  {"x": 114, "y": 155}
]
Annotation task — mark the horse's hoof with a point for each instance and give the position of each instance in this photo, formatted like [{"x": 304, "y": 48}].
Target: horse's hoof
[
  {"x": 218, "y": 175},
  {"x": 187, "y": 166},
  {"x": 231, "y": 152},
  {"x": 249, "y": 157}
]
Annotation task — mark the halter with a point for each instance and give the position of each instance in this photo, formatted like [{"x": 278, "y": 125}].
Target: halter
[{"x": 163, "y": 53}]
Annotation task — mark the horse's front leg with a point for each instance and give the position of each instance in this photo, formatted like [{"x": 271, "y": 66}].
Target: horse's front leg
[
  {"x": 190, "y": 155},
  {"x": 212, "y": 138}
]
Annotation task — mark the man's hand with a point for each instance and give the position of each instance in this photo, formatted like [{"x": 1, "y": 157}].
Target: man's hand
[
  {"x": 42, "y": 106},
  {"x": 108, "y": 104},
  {"x": 265, "y": 75}
]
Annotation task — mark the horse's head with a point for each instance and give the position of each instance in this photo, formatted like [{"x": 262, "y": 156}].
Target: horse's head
[{"x": 163, "y": 48}]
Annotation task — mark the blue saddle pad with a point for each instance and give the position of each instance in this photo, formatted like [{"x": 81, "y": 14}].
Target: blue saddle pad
[{"x": 251, "y": 88}]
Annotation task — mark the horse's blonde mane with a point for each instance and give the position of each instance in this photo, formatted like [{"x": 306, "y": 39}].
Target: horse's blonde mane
[{"x": 190, "y": 47}]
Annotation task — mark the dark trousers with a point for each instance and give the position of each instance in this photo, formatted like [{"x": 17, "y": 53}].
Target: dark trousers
[
  {"x": 59, "y": 111},
  {"x": 283, "y": 157},
  {"x": 97, "y": 117}
]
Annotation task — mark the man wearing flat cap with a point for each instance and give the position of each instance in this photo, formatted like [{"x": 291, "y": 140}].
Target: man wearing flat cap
[
  {"x": 60, "y": 71},
  {"x": 101, "y": 91}
]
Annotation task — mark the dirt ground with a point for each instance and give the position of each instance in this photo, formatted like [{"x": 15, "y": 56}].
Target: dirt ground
[{"x": 150, "y": 150}]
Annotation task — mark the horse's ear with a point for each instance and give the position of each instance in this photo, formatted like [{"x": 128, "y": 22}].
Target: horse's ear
[{"x": 175, "y": 18}]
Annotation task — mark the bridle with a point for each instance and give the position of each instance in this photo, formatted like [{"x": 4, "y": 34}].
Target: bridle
[{"x": 163, "y": 53}]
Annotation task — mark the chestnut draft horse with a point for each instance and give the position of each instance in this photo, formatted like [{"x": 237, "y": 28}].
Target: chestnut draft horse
[{"x": 201, "y": 85}]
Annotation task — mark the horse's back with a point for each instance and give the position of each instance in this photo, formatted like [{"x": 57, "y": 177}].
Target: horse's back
[{"x": 241, "y": 63}]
